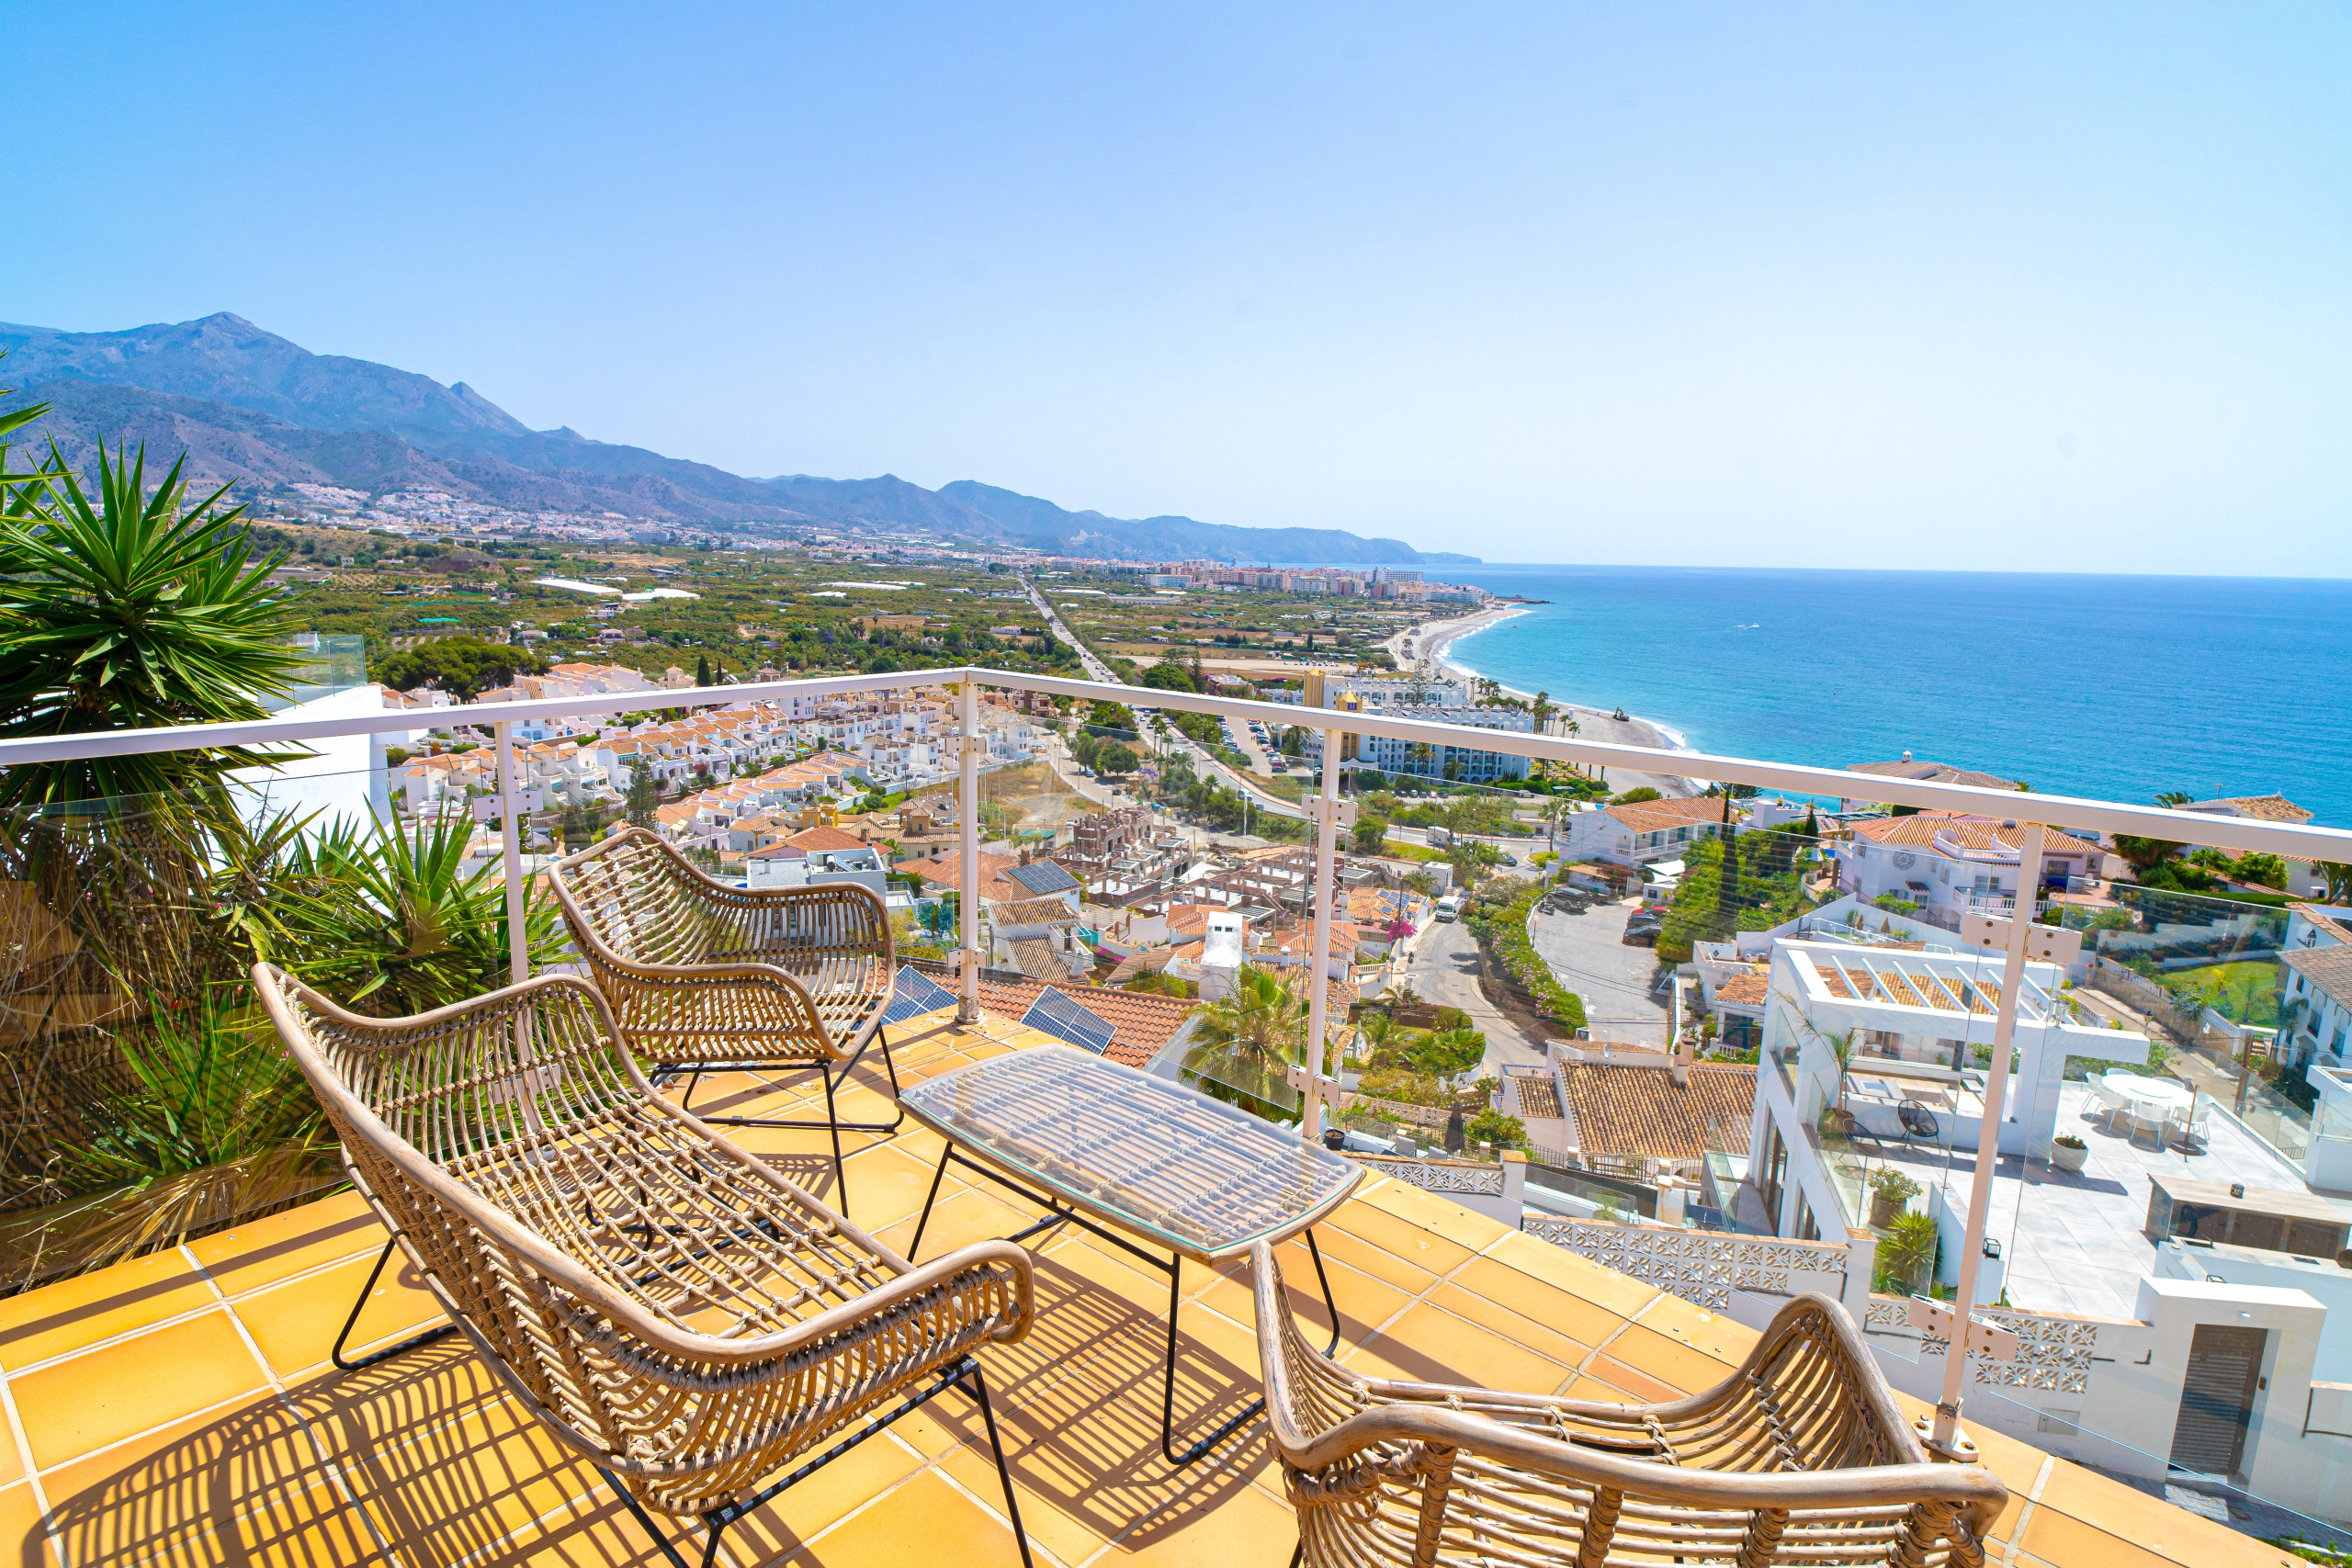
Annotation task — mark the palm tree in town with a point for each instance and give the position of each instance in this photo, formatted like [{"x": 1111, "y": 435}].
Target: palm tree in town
[{"x": 1260, "y": 1024}]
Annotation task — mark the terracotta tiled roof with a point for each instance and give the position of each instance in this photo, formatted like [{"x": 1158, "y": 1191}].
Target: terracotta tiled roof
[
  {"x": 1743, "y": 991},
  {"x": 1538, "y": 1095},
  {"x": 2324, "y": 918},
  {"x": 2329, "y": 968},
  {"x": 1650, "y": 815},
  {"x": 1031, "y": 912},
  {"x": 1642, "y": 1111},
  {"x": 817, "y": 839},
  {"x": 2262, "y": 807},
  {"x": 1040, "y": 959},
  {"x": 1931, "y": 773},
  {"x": 1142, "y": 1023},
  {"x": 1972, "y": 832}
]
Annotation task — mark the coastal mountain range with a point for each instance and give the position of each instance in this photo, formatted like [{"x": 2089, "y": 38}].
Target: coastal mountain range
[{"x": 248, "y": 405}]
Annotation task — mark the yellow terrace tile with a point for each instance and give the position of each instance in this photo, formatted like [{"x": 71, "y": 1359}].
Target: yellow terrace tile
[
  {"x": 260, "y": 1252},
  {"x": 1555, "y": 1266},
  {"x": 106, "y": 1396},
  {"x": 771, "y": 1531},
  {"x": 12, "y": 1462},
  {"x": 971, "y": 1215},
  {"x": 1674, "y": 1365},
  {"x": 1639, "y": 1385},
  {"x": 1510, "y": 1324},
  {"x": 1345, "y": 1246},
  {"x": 1053, "y": 1521},
  {"x": 40, "y": 1324},
  {"x": 2055, "y": 1538},
  {"x": 1562, "y": 1311},
  {"x": 294, "y": 1324},
  {"x": 243, "y": 1485},
  {"x": 2085, "y": 1499},
  {"x": 1428, "y": 1344},
  {"x": 1414, "y": 1244},
  {"x": 1365, "y": 1302},
  {"x": 1438, "y": 1215},
  {"x": 886, "y": 1185},
  {"x": 1726, "y": 1339},
  {"x": 925, "y": 1521},
  {"x": 1249, "y": 1529},
  {"x": 24, "y": 1539}
]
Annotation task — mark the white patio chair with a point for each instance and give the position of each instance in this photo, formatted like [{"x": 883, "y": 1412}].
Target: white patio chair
[
  {"x": 2105, "y": 1103},
  {"x": 2194, "y": 1125}
]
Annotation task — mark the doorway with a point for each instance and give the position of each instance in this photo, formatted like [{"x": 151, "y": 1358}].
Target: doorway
[{"x": 2217, "y": 1399}]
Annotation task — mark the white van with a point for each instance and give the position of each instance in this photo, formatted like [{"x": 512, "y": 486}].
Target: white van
[{"x": 1450, "y": 907}]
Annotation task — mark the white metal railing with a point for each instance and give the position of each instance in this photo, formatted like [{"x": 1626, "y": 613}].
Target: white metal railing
[{"x": 2241, "y": 834}]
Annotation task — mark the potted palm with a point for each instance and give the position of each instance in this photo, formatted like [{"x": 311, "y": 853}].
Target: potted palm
[
  {"x": 1890, "y": 1188},
  {"x": 2068, "y": 1152}
]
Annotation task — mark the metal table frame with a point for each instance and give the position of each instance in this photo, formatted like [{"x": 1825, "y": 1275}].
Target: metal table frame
[{"x": 1061, "y": 1213}]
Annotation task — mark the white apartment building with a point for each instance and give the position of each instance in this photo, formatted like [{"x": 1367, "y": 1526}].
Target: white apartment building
[
  {"x": 2316, "y": 986},
  {"x": 1642, "y": 833},
  {"x": 1952, "y": 866},
  {"x": 1440, "y": 702}
]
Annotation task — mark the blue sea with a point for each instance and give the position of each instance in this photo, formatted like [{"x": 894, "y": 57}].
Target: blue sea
[{"x": 2119, "y": 687}]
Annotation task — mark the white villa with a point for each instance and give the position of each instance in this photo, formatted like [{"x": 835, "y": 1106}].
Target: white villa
[{"x": 1952, "y": 866}]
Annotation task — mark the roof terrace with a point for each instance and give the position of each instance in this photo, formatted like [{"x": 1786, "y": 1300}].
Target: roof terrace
[{"x": 180, "y": 1407}]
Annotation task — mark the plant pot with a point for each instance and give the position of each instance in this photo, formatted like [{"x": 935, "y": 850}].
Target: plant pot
[
  {"x": 2066, "y": 1159},
  {"x": 1884, "y": 1210}
]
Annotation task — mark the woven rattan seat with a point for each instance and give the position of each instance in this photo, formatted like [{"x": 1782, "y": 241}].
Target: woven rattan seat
[
  {"x": 705, "y": 977},
  {"x": 1798, "y": 1457},
  {"x": 668, "y": 1305}
]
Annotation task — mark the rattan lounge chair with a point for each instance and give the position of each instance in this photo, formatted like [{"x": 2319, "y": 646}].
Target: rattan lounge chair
[
  {"x": 671, "y": 1309},
  {"x": 705, "y": 978},
  {"x": 1800, "y": 1456}
]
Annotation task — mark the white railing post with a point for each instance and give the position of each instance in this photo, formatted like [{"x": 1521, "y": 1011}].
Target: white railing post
[
  {"x": 1310, "y": 1122},
  {"x": 1946, "y": 1439},
  {"x": 518, "y": 943},
  {"x": 967, "y": 989}
]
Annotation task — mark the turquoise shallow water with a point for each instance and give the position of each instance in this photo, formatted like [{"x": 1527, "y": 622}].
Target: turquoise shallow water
[{"x": 2112, "y": 686}]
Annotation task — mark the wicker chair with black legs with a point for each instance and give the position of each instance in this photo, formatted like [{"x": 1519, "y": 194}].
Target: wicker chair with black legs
[
  {"x": 705, "y": 978},
  {"x": 1798, "y": 1457},
  {"x": 672, "y": 1310}
]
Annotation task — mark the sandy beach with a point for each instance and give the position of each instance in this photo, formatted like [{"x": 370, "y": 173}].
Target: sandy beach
[{"x": 1435, "y": 641}]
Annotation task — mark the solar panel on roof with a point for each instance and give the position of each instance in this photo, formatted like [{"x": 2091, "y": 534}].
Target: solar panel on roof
[
  {"x": 1042, "y": 877},
  {"x": 913, "y": 994},
  {"x": 1055, "y": 1014}
]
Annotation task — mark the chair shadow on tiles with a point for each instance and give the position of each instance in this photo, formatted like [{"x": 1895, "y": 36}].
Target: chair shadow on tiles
[
  {"x": 1081, "y": 1407},
  {"x": 425, "y": 1456}
]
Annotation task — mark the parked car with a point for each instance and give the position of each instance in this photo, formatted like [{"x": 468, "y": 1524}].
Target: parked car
[{"x": 1641, "y": 936}]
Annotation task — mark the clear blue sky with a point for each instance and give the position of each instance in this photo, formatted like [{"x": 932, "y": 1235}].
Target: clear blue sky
[{"x": 2035, "y": 286}]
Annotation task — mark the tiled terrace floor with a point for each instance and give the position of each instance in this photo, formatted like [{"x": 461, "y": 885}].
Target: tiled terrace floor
[
  {"x": 2074, "y": 1244},
  {"x": 179, "y": 1409}
]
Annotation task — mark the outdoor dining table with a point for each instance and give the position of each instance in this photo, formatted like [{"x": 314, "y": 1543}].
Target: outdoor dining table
[
  {"x": 1122, "y": 1154},
  {"x": 2148, "y": 1100}
]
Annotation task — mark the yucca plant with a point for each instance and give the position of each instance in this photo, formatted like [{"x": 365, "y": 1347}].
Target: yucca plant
[
  {"x": 210, "y": 1085},
  {"x": 387, "y": 920},
  {"x": 123, "y": 608}
]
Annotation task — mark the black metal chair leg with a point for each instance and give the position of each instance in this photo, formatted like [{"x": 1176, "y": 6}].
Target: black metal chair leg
[
  {"x": 929, "y": 1199},
  {"x": 428, "y": 1337},
  {"x": 833, "y": 1124},
  {"x": 1003, "y": 1471}
]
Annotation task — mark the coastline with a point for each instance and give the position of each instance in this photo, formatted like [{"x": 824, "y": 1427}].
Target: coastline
[{"x": 1438, "y": 639}]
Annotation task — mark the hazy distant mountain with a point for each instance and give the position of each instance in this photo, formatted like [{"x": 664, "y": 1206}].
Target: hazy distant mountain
[
  {"x": 1166, "y": 538},
  {"x": 247, "y": 404}
]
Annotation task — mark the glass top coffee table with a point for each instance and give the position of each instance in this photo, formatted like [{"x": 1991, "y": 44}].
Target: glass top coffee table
[{"x": 1122, "y": 1154}]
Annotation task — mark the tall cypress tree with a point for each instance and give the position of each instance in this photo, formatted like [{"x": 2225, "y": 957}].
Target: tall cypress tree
[{"x": 702, "y": 670}]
